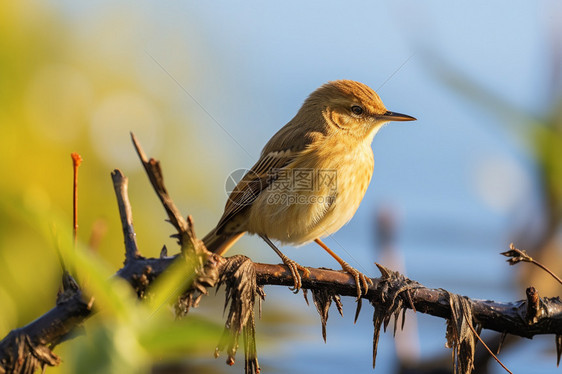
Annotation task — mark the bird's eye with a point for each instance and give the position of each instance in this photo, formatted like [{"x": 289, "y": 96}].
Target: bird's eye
[{"x": 357, "y": 110}]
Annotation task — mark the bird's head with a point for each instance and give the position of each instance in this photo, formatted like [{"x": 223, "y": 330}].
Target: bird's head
[{"x": 351, "y": 107}]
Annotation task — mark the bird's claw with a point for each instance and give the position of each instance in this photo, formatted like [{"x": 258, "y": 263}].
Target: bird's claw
[
  {"x": 294, "y": 267},
  {"x": 361, "y": 280}
]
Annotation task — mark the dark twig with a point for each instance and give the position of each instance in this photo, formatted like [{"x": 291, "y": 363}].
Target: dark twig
[
  {"x": 192, "y": 249},
  {"x": 186, "y": 232},
  {"x": 27, "y": 348},
  {"x": 534, "y": 310},
  {"x": 154, "y": 173},
  {"x": 517, "y": 255}
]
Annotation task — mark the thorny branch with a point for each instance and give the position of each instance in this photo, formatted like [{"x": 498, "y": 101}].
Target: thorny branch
[{"x": 30, "y": 347}]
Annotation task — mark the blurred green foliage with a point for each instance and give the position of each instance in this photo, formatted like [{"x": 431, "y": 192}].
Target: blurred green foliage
[
  {"x": 547, "y": 146},
  {"x": 64, "y": 89},
  {"x": 124, "y": 335}
]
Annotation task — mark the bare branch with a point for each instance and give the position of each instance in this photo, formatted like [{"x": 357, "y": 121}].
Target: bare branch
[
  {"x": 154, "y": 173},
  {"x": 120, "y": 184},
  {"x": 27, "y": 348},
  {"x": 185, "y": 229},
  {"x": 502, "y": 317},
  {"x": 141, "y": 272}
]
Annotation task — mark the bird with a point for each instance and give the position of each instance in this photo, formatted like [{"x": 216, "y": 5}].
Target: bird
[{"x": 311, "y": 176}]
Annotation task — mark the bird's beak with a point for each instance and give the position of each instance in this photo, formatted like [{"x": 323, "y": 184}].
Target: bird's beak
[{"x": 393, "y": 116}]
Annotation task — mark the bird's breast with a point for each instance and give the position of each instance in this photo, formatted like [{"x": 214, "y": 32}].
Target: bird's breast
[{"x": 315, "y": 195}]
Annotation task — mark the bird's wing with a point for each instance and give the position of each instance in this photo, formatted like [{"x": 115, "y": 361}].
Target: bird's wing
[{"x": 257, "y": 179}]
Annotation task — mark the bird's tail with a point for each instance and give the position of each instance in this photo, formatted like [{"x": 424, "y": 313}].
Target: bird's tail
[{"x": 220, "y": 243}]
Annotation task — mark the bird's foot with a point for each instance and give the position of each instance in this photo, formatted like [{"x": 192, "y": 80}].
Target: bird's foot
[
  {"x": 294, "y": 267},
  {"x": 360, "y": 279}
]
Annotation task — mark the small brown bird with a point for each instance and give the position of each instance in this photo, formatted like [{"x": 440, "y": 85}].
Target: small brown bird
[{"x": 311, "y": 176}]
